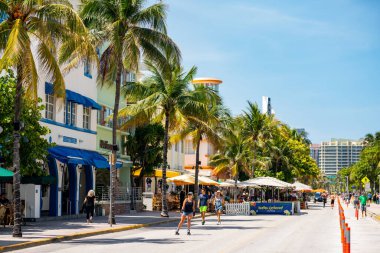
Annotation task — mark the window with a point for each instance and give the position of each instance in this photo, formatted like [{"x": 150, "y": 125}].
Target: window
[
  {"x": 86, "y": 117},
  {"x": 189, "y": 148},
  {"x": 70, "y": 113},
  {"x": 49, "y": 110},
  {"x": 87, "y": 70},
  {"x": 131, "y": 77},
  {"x": 2, "y": 188},
  {"x": 103, "y": 117}
]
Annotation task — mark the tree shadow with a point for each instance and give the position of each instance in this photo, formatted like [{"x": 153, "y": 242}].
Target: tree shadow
[{"x": 127, "y": 240}]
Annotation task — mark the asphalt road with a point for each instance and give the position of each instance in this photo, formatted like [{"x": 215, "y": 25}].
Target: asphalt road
[{"x": 316, "y": 230}]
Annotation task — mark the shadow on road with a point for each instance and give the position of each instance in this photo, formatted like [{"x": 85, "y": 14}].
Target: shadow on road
[{"x": 127, "y": 240}]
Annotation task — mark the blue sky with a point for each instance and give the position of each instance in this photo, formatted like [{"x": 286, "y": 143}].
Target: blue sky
[{"x": 319, "y": 61}]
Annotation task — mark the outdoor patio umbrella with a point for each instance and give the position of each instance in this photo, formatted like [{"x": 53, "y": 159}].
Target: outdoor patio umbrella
[
  {"x": 267, "y": 181},
  {"x": 206, "y": 181},
  {"x": 182, "y": 180},
  {"x": 301, "y": 187},
  {"x": 6, "y": 176},
  {"x": 319, "y": 190},
  {"x": 226, "y": 184}
]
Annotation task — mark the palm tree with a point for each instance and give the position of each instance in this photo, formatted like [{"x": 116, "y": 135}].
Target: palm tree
[
  {"x": 128, "y": 31},
  {"x": 234, "y": 156},
  {"x": 258, "y": 128},
  {"x": 163, "y": 97},
  {"x": 203, "y": 125},
  {"x": 36, "y": 33}
]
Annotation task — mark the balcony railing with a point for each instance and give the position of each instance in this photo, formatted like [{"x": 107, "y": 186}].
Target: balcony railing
[{"x": 121, "y": 193}]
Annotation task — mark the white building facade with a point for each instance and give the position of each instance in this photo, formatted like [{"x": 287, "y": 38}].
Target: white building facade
[{"x": 337, "y": 154}]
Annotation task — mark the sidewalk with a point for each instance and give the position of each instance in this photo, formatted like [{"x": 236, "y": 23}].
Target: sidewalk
[
  {"x": 38, "y": 233},
  {"x": 374, "y": 211}
]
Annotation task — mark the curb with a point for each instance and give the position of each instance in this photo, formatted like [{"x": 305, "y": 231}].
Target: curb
[
  {"x": 374, "y": 216},
  {"x": 61, "y": 238}
]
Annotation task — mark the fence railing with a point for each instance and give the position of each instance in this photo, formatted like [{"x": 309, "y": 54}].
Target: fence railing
[
  {"x": 121, "y": 193},
  {"x": 237, "y": 208}
]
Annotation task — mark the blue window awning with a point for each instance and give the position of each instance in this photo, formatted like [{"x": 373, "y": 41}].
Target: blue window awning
[
  {"x": 81, "y": 156},
  {"x": 74, "y": 97}
]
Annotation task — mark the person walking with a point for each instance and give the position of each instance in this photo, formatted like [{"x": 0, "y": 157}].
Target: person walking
[
  {"x": 218, "y": 203},
  {"x": 202, "y": 203},
  {"x": 332, "y": 200},
  {"x": 324, "y": 199},
  {"x": 363, "y": 203},
  {"x": 89, "y": 205},
  {"x": 188, "y": 211}
]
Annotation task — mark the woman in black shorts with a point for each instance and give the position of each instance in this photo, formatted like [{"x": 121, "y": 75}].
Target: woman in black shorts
[{"x": 188, "y": 210}]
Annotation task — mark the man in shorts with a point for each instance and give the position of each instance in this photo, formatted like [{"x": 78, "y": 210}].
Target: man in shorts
[
  {"x": 203, "y": 203},
  {"x": 363, "y": 204}
]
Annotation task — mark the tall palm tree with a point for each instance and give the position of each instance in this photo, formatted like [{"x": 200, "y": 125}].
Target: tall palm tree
[
  {"x": 203, "y": 125},
  {"x": 163, "y": 97},
  {"x": 35, "y": 33},
  {"x": 234, "y": 156},
  {"x": 258, "y": 128},
  {"x": 127, "y": 30}
]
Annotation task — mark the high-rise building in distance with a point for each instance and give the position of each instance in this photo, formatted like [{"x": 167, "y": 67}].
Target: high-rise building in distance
[
  {"x": 266, "y": 106},
  {"x": 314, "y": 152},
  {"x": 337, "y": 154}
]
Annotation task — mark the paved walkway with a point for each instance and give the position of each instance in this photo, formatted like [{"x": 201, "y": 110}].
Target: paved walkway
[
  {"x": 374, "y": 209},
  {"x": 315, "y": 231},
  {"x": 34, "y": 231},
  {"x": 365, "y": 232}
]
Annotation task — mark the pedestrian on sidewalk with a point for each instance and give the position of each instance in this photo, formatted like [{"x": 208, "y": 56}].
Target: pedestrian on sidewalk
[
  {"x": 202, "y": 203},
  {"x": 363, "y": 203},
  {"x": 332, "y": 201},
  {"x": 89, "y": 205},
  {"x": 218, "y": 203},
  {"x": 324, "y": 199},
  {"x": 188, "y": 211}
]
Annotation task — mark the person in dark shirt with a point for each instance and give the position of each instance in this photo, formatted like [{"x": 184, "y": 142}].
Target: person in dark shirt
[
  {"x": 89, "y": 205},
  {"x": 3, "y": 200}
]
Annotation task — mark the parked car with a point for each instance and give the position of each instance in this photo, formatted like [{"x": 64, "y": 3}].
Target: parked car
[{"x": 318, "y": 197}]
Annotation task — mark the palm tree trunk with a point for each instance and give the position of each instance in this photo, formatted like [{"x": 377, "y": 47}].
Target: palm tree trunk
[
  {"x": 114, "y": 144},
  {"x": 236, "y": 189},
  {"x": 164, "y": 211},
  {"x": 16, "y": 156},
  {"x": 196, "y": 186}
]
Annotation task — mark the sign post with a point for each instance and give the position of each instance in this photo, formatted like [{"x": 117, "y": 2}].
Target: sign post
[{"x": 366, "y": 184}]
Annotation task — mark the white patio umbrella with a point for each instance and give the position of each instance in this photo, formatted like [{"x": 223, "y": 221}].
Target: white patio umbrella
[
  {"x": 206, "y": 181},
  {"x": 301, "y": 187},
  {"x": 268, "y": 181}
]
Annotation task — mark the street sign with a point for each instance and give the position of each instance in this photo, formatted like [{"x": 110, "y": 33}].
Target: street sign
[
  {"x": 365, "y": 180},
  {"x": 367, "y": 187}
]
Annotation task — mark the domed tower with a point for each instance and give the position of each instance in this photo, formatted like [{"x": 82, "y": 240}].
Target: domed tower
[
  {"x": 206, "y": 149},
  {"x": 208, "y": 81}
]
